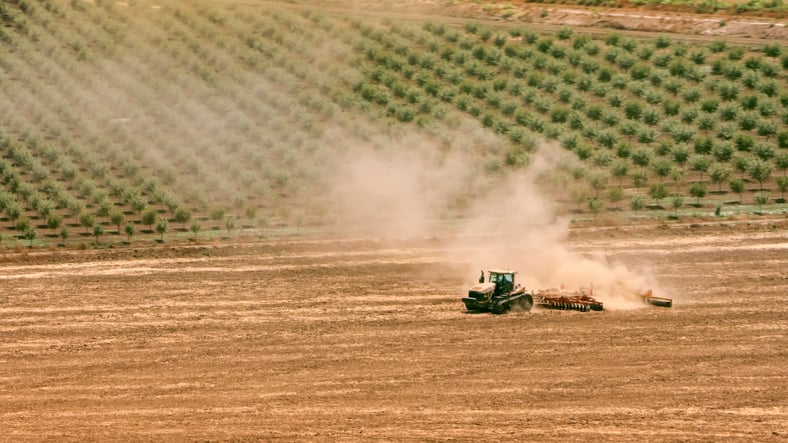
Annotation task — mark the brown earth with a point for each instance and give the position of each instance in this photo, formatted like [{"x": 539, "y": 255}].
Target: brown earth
[
  {"x": 647, "y": 21},
  {"x": 361, "y": 340}
]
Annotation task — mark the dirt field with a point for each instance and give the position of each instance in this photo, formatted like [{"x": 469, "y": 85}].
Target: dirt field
[{"x": 355, "y": 340}]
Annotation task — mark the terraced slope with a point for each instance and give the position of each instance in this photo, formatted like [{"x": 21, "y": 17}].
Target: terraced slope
[{"x": 161, "y": 119}]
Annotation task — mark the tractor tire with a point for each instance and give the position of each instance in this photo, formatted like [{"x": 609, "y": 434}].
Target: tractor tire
[{"x": 525, "y": 303}]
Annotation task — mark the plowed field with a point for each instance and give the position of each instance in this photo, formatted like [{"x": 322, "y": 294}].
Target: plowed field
[{"x": 355, "y": 340}]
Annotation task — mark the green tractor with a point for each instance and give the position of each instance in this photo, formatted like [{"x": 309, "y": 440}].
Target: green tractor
[{"x": 498, "y": 294}]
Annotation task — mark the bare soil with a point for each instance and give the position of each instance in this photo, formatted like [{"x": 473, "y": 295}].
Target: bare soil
[
  {"x": 365, "y": 340},
  {"x": 681, "y": 22}
]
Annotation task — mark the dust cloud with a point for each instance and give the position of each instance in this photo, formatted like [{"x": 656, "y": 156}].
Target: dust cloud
[{"x": 512, "y": 224}]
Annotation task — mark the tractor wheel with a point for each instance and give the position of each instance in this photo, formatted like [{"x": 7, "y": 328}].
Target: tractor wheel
[{"x": 525, "y": 303}]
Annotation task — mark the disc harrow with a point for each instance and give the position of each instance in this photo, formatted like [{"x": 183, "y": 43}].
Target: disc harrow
[{"x": 565, "y": 300}]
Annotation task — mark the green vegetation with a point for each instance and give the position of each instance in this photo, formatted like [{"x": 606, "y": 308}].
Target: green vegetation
[{"x": 166, "y": 119}]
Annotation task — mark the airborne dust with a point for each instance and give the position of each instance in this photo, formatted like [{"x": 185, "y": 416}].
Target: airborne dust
[{"x": 512, "y": 223}]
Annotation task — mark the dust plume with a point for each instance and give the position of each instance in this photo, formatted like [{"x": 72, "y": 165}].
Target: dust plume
[
  {"x": 395, "y": 193},
  {"x": 512, "y": 223},
  {"x": 518, "y": 226}
]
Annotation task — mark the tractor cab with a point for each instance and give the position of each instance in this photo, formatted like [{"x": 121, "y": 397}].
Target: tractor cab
[{"x": 503, "y": 280}]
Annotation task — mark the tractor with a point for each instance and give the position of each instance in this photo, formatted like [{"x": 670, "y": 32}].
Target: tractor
[{"x": 498, "y": 294}]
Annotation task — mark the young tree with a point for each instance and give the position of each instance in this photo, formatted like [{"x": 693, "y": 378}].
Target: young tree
[
  {"x": 116, "y": 217},
  {"x": 719, "y": 174},
  {"x": 701, "y": 164},
  {"x": 182, "y": 216},
  {"x": 13, "y": 210},
  {"x": 662, "y": 168},
  {"x": 598, "y": 181},
  {"x": 698, "y": 190},
  {"x": 129, "y": 229},
  {"x": 641, "y": 157},
  {"x": 658, "y": 191},
  {"x": 149, "y": 218},
  {"x": 98, "y": 231},
  {"x": 22, "y": 225},
  {"x": 595, "y": 205},
  {"x": 63, "y": 236},
  {"x": 759, "y": 171},
  {"x": 781, "y": 161},
  {"x": 620, "y": 169},
  {"x": 29, "y": 234},
  {"x": 195, "y": 228},
  {"x": 637, "y": 203},
  {"x": 737, "y": 186},
  {"x": 54, "y": 221},
  {"x": 86, "y": 220},
  {"x": 677, "y": 202},
  {"x": 615, "y": 194},
  {"x": 639, "y": 179},
  {"x": 782, "y": 184},
  {"x": 761, "y": 198},
  {"x": 161, "y": 227},
  {"x": 677, "y": 175}
]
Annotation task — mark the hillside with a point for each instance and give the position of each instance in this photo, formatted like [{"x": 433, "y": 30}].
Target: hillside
[{"x": 173, "y": 121}]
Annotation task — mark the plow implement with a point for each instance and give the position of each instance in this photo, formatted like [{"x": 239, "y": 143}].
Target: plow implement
[
  {"x": 565, "y": 300},
  {"x": 662, "y": 302}
]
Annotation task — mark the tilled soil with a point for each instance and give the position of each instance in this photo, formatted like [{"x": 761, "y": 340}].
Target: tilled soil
[{"x": 355, "y": 340}]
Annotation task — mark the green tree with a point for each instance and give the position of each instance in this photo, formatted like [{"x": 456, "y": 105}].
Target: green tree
[
  {"x": 698, "y": 190},
  {"x": 29, "y": 234},
  {"x": 22, "y": 225},
  {"x": 86, "y": 220},
  {"x": 658, "y": 191},
  {"x": 700, "y": 164},
  {"x": 677, "y": 175},
  {"x": 619, "y": 170},
  {"x": 782, "y": 184},
  {"x": 781, "y": 161},
  {"x": 719, "y": 174},
  {"x": 637, "y": 203},
  {"x": 161, "y": 227},
  {"x": 680, "y": 154},
  {"x": 195, "y": 228},
  {"x": 598, "y": 181},
  {"x": 54, "y": 221},
  {"x": 677, "y": 202},
  {"x": 760, "y": 171},
  {"x": 13, "y": 210},
  {"x": 641, "y": 157},
  {"x": 182, "y": 216},
  {"x": 98, "y": 231},
  {"x": 595, "y": 205},
  {"x": 615, "y": 194},
  {"x": 129, "y": 229},
  {"x": 662, "y": 168},
  {"x": 116, "y": 217},
  {"x": 639, "y": 179},
  {"x": 761, "y": 198},
  {"x": 737, "y": 186},
  {"x": 149, "y": 218},
  {"x": 63, "y": 236}
]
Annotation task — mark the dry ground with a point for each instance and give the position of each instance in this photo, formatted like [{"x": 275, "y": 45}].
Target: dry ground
[{"x": 355, "y": 340}]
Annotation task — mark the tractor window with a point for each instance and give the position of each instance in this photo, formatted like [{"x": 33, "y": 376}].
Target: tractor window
[
  {"x": 494, "y": 277},
  {"x": 508, "y": 277}
]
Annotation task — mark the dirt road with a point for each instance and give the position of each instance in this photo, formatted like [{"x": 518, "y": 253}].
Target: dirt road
[{"x": 359, "y": 340}]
